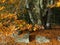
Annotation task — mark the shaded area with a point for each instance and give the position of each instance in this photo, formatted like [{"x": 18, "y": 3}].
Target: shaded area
[{"x": 56, "y": 15}]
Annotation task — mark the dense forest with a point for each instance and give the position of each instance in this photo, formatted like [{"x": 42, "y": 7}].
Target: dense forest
[
  {"x": 21, "y": 15},
  {"x": 31, "y": 11}
]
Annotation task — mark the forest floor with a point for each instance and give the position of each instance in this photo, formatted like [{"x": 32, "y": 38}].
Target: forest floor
[{"x": 52, "y": 34}]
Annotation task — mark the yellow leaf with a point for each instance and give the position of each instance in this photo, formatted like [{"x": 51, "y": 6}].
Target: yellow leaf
[
  {"x": 1, "y": 8},
  {"x": 2, "y": 1},
  {"x": 35, "y": 29},
  {"x": 58, "y": 4},
  {"x": 12, "y": 1}
]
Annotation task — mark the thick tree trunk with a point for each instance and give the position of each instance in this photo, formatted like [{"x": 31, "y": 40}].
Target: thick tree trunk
[{"x": 36, "y": 9}]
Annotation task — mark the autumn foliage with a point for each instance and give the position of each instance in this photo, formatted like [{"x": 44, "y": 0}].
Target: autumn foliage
[{"x": 9, "y": 22}]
